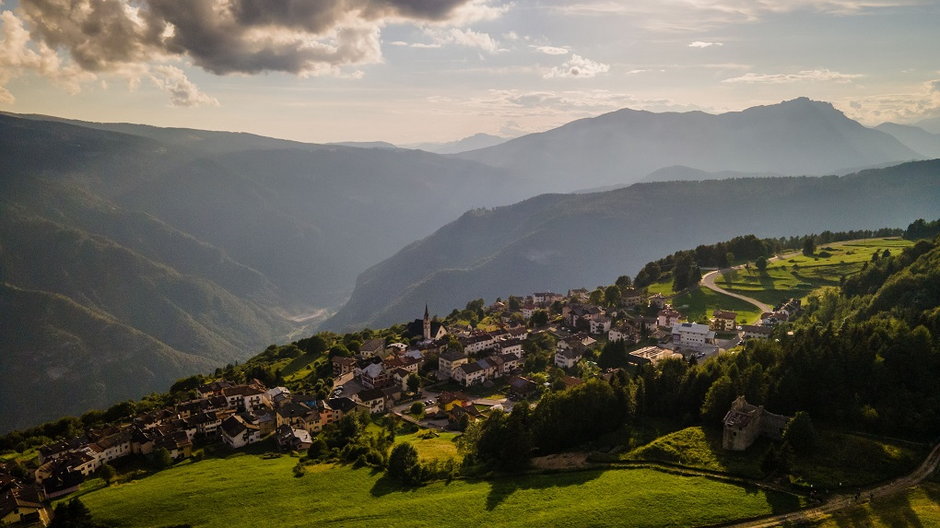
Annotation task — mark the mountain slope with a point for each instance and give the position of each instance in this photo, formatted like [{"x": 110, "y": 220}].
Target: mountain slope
[
  {"x": 207, "y": 245},
  {"x": 794, "y": 137},
  {"x": 563, "y": 241},
  {"x": 52, "y": 363},
  {"x": 914, "y": 138},
  {"x": 476, "y": 141}
]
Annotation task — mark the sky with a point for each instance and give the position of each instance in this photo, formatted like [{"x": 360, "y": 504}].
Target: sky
[{"x": 408, "y": 71}]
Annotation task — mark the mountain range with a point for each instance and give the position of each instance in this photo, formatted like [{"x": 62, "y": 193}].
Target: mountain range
[
  {"x": 797, "y": 137},
  {"x": 132, "y": 255}
]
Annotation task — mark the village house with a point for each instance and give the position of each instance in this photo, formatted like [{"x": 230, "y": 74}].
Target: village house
[
  {"x": 651, "y": 354},
  {"x": 372, "y": 348},
  {"x": 568, "y": 357},
  {"x": 668, "y": 317},
  {"x": 745, "y": 422},
  {"x": 237, "y": 433},
  {"x": 177, "y": 444},
  {"x": 600, "y": 325},
  {"x": 293, "y": 439},
  {"x": 724, "y": 321},
  {"x": 336, "y": 408},
  {"x": 631, "y": 297},
  {"x": 756, "y": 331},
  {"x": 374, "y": 399},
  {"x": 372, "y": 375},
  {"x": 520, "y": 387},
  {"x": 23, "y": 506},
  {"x": 342, "y": 365},
  {"x": 447, "y": 400},
  {"x": 513, "y": 345},
  {"x": 692, "y": 335},
  {"x": 546, "y": 298},
  {"x": 426, "y": 328},
  {"x": 528, "y": 310},
  {"x": 469, "y": 374},
  {"x": 243, "y": 397},
  {"x": 477, "y": 343},
  {"x": 657, "y": 300},
  {"x": 774, "y": 318},
  {"x": 448, "y": 361},
  {"x": 622, "y": 332},
  {"x": 298, "y": 416}
]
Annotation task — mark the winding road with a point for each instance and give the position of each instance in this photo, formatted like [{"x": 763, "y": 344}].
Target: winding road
[
  {"x": 708, "y": 280},
  {"x": 842, "y": 502}
]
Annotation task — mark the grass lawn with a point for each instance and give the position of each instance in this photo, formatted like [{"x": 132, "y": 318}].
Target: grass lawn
[
  {"x": 700, "y": 302},
  {"x": 246, "y": 490},
  {"x": 782, "y": 281},
  {"x": 429, "y": 447},
  {"x": 840, "y": 458},
  {"x": 918, "y": 507}
]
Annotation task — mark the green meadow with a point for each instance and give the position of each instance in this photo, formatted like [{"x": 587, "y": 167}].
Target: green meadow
[
  {"x": 432, "y": 444},
  {"x": 797, "y": 275},
  {"x": 248, "y": 490},
  {"x": 839, "y": 459}
]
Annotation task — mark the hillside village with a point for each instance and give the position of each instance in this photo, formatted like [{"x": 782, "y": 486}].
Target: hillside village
[{"x": 448, "y": 367}]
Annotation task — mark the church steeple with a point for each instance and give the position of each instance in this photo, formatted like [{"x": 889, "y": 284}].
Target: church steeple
[{"x": 427, "y": 324}]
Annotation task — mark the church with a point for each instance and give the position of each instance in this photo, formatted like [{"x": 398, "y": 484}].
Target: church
[{"x": 426, "y": 328}]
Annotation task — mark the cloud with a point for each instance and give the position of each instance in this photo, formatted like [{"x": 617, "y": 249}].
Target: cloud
[
  {"x": 577, "y": 67},
  {"x": 702, "y": 44},
  {"x": 923, "y": 101},
  {"x": 696, "y": 15},
  {"x": 823, "y": 75},
  {"x": 550, "y": 50},
  {"x": 301, "y": 37},
  {"x": 182, "y": 92},
  {"x": 464, "y": 37}
]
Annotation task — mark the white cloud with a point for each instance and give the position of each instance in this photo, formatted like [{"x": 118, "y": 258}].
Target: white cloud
[
  {"x": 823, "y": 75},
  {"x": 696, "y": 15},
  {"x": 577, "y": 67},
  {"x": 923, "y": 101},
  {"x": 702, "y": 44},
  {"x": 464, "y": 37},
  {"x": 181, "y": 90},
  {"x": 550, "y": 50}
]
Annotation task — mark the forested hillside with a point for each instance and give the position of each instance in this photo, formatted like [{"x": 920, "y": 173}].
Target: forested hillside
[{"x": 556, "y": 242}]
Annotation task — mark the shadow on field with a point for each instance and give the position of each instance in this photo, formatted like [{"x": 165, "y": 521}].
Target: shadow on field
[
  {"x": 894, "y": 512},
  {"x": 781, "y": 502},
  {"x": 503, "y": 487}
]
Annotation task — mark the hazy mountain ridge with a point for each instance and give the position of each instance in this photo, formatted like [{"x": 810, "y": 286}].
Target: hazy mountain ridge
[
  {"x": 914, "y": 138},
  {"x": 565, "y": 241},
  {"x": 199, "y": 248},
  {"x": 794, "y": 137},
  {"x": 476, "y": 141}
]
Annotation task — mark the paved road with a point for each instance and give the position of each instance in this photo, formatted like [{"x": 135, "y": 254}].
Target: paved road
[
  {"x": 708, "y": 280},
  {"x": 841, "y": 502}
]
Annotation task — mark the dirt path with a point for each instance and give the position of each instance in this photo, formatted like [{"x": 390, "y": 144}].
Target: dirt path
[
  {"x": 708, "y": 280},
  {"x": 841, "y": 502}
]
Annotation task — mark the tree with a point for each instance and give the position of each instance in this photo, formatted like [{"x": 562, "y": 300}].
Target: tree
[
  {"x": 718, "y": 400},
  {"x": 729, "y": 258},
  {"x": 403, "y": 464},
  {"x": 809, "y": 246},
  {"x": 761, "y": 264},
  {"x": 624, "y": 282},
  {"x": 73, "y": 514},
  {"x": 800, "y": 433},
  {"x": 414, "y": 383},
  {"x": 417, "y": 408},
  {"x": 612, "y": 295},
  {"x": 107, "y": 473},
  {"x": 597, "y": 296},
  {"x": 162, "y": 458},
  {"x": 539, "y": 318}
]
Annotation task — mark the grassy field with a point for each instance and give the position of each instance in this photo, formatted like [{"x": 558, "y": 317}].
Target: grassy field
[
  {"x": 699, "y": 304},
  {"x": 840, "y": 459},
  {"x": 917, "y": 508},
  {"x": 429, "y": 447},
  {"x": 782, "y": 280},
  {"x": 245, "y": 490}
]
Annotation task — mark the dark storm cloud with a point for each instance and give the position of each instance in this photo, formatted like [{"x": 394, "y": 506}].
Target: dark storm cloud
[{"x": 225, "y": 36}]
